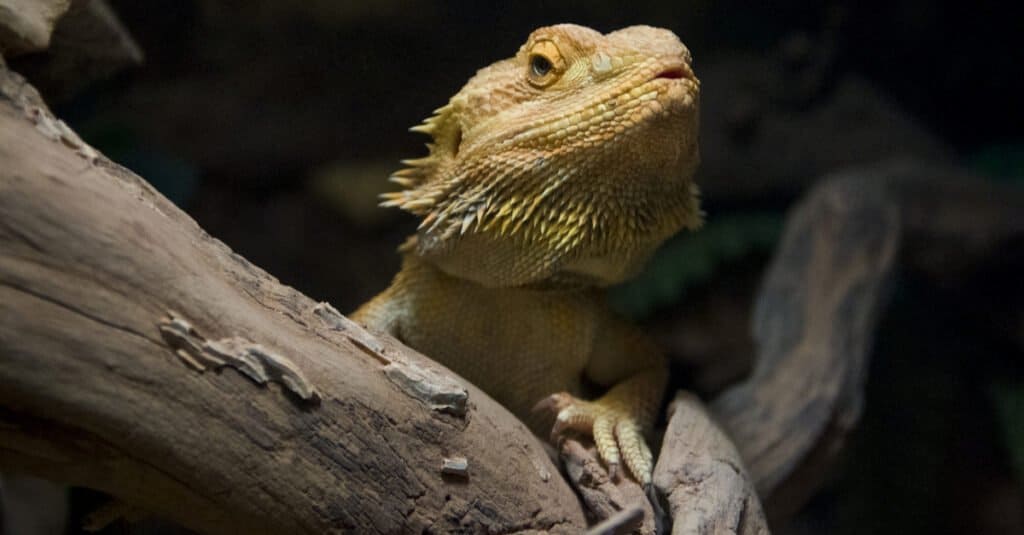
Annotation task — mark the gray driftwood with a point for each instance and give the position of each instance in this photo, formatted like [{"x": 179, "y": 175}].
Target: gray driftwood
[
  {"x": 814, "y": 322},
  {"x": 816, "y": 312},
  {"x": 701, "y": 475},
  {"x": 142, "y": 357}
]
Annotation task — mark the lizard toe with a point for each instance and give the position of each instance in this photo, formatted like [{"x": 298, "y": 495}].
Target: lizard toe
[
  {"x": 575, "y": 417},
  {"x": 634, "y": 450},
  {"x": 617, "y": 434},
  {"x": 607, "y": 446}
]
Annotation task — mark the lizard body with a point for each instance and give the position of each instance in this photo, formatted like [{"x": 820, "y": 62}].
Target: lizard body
[{"x": 551, "y": 175}]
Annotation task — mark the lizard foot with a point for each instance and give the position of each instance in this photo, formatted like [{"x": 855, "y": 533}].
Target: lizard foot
[{"x": 617, "y": 434}]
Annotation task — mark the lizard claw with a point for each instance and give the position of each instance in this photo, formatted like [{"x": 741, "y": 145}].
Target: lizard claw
[
  {"x": 558, "y": 403},
  {"x": 553, "y": 403},
  {"x": 616, "y": 433},
  {"x": 613, "y": 472}
]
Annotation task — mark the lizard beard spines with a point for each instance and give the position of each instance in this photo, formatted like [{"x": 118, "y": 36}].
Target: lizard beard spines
[
  {"x": 565, "y": 220},
  {"x": 525, "y": 182},
  {"x": 561, "y": 220},
  {"x": 420, "y": 192},
  {"x": 413, "y": 197}
]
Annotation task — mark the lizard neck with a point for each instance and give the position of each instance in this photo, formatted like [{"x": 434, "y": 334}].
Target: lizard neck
[{"x": 415, "y": 267}]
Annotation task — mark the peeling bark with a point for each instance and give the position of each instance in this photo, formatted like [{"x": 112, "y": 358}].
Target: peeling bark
[{"x": 142, "y": 357}]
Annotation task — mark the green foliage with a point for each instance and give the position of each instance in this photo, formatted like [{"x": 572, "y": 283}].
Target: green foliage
[
  {"x": 691, "y": 258},
  {"x": 1002, "y": 162},
  {"x": 1009, "y": 403},
  {"x": 172, "y": 176}
]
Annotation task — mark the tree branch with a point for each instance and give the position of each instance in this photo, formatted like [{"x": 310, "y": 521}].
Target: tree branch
[
  {"x": 821, "y": 299},
  {"x": 141, "y": 357},
  {"x": 814, "y": 324},
  {"x": 702, "y": 476}
]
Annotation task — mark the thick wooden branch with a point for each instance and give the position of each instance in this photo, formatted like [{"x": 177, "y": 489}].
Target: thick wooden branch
[
  {"x": 814, "y": 323},
  {"x": 820, "y": 301},
  {"x": 701, "y": 475},
  {"x": 142, "y": 357}
]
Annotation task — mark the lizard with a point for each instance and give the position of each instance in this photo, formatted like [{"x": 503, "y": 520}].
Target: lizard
[{"x": 550, "y": 176}]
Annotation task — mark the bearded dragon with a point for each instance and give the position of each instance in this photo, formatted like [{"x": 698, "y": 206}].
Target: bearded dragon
[{"x": 551, "y": 176}]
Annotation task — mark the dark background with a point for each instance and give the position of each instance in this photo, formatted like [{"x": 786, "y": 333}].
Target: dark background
[{"x": 275, "y": 124}]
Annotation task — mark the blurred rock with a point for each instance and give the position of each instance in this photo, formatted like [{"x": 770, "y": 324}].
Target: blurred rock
[
  {"x": 89, "y": 44},
  {"x": 773, "y": 125},
  {"x": 32, "y": 506},
  {"x": 26, "y": 25}
]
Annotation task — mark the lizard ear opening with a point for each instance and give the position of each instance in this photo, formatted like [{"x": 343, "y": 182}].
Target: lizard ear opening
[{"x": 457, "y": 141}]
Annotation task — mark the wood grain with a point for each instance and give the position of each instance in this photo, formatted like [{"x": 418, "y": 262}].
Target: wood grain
[
  {"x": 814, "y": 322},
  {"x": 93, "y": 262}
]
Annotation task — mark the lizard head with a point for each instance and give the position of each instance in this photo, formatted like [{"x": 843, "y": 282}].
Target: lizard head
[{"x": 567, "y": 163}]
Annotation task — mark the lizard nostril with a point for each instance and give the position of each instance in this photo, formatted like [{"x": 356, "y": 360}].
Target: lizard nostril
[{"x": 674, "y": 73}]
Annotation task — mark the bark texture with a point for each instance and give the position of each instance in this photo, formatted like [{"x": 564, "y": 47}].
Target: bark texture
[
  {"x": 142, "y": 357},
  {"x": 816, "y": 312},
  {"x": 701, "y": 475},
  {"x": 814, "y": 322}
]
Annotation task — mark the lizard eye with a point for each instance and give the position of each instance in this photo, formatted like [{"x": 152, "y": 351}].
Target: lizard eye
[
  {"x": 539, "y": 66},
  {"x": 545, "y": 64}
]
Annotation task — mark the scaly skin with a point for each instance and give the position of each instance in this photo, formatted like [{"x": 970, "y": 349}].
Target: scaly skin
[{"x": 551, "y": 175}]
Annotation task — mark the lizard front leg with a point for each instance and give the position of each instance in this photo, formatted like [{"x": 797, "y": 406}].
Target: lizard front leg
[{"x": 628, "y": 362}]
